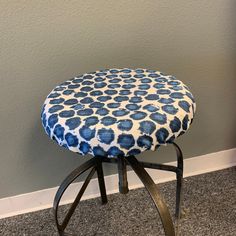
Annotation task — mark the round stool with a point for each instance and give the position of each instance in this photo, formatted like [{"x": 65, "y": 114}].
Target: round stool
[{"x": 115, "y": 114}]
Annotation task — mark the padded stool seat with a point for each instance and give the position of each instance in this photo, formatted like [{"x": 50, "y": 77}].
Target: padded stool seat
[{"x": 118, "y": 112}]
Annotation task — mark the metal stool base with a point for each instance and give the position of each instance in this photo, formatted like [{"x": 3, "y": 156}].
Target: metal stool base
[{"x": 95, "y": 165}]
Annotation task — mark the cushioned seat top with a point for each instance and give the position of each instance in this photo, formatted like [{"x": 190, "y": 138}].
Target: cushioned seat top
[{"x": 118, "y": 112}]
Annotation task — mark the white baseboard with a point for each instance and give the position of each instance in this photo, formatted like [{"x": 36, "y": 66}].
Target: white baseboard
[{"x": 42, "y": 199}]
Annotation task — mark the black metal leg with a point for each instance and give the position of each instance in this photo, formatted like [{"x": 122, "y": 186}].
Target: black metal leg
[
  {"x": 178, "y": 195},
  {"x": 179, "y": 176},
  {"x": 91, "y": 164},
  {"x": 101, "y": 180},
  {"x": 155, "y": 195},
  {"x": 122, "y": 172}
]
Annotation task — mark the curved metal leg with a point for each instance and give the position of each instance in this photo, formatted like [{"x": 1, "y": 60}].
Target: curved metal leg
[
  {"x": 68, "y": 180},
  {"x": 154, "y": 193},
  {"x": 179, "y": 176}
]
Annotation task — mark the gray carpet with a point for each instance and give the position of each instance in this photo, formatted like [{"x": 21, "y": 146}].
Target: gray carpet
[{"x": 209, "y": 199}]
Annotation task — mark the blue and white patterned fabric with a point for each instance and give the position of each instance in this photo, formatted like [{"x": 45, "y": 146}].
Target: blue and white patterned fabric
[{"x": 118, "y": 112}]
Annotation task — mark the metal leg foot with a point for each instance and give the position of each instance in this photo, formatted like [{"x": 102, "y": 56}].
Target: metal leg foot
[
  {"x": 91, "y": 164},
  {"x": 155, "y": 195}
]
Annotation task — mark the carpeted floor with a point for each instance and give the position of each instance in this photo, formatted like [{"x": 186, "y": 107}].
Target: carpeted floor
[{"x": 209, "y": 200}]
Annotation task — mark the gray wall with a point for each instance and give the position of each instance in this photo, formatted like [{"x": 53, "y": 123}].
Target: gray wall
[{"x": 43, "y": 43}]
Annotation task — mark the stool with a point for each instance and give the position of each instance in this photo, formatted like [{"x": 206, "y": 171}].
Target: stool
[{"x": 114, "y": 115}]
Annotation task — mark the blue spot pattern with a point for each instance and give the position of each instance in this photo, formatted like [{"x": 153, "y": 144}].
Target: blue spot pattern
[
  {"x": 84, "y": 147},
  {"x": 106, "y": 135},
  {"x": 73, "y": 123},
  {"x": 125, "y": 125},
  {"x": 118, "y": 112},
  {"x": 66, "y": 114},
  {"x": 92, "y": 120},
  {"x": 71, "y": 140},
  {"x": 52, "y": 120},
  {"x": 145, "y": 141}
]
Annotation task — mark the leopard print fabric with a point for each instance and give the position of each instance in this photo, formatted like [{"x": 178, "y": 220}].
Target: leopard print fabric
[{"x": 118, "y": 112}]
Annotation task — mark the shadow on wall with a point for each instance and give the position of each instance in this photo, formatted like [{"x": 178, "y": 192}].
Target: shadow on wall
[{"x": 49, "y": 162}]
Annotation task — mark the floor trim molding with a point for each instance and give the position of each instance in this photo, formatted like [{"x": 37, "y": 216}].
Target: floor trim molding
[{"x": 42, "y": 199}]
